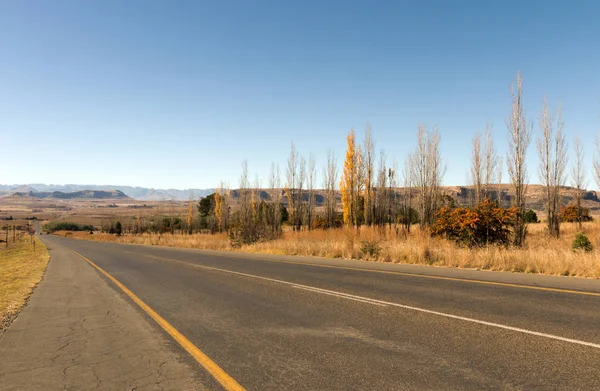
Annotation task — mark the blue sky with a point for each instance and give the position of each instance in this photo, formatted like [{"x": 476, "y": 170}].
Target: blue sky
[{"x": 175, "y": 94}]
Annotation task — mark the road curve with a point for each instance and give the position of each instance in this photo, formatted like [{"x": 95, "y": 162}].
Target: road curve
[{"x": 274, "y": 324}]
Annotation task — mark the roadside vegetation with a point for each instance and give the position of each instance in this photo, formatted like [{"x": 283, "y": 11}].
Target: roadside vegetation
[
  {"x": 21, "y": 269},
  {"x": 393, "y": 215},
  {"x": 541, "y": 255},
  {"x": 66, "y": 226}
]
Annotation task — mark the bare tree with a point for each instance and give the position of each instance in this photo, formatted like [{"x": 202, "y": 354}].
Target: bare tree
[
  {"x": 381, "y": 197},
  {"x": 245, "y": 196},
  {"x": 330, "y": 177},
  {"x": 275, "y": 210},
  {"x": 477, "y": 167},
  {"x": 360, "y": 187},
  {"x": 257, "y": 216},
  {"x": 491, "y": 162},
  {"x": 578, "y": 178},
  {"x": 519, "y": 139},
  {"x": 429, "y": 172},
  {"x": 225, "y": 205},
  {"x": 393, "y": 195},
  {"x": 310, "y": 183},
  {"x": 301, "y": 202},
  {"x": 597, "y": 162},
  {"x": 369, "y": 170},
  {"x": 553, "y": 160},
  {"x": 500, "y": 170},
  {"x": 291, "y": 183},
  {"x": 408, "y": 174}
]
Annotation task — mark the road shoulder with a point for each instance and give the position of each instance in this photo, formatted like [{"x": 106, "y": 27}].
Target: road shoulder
[{"x": 79, "y": 333}]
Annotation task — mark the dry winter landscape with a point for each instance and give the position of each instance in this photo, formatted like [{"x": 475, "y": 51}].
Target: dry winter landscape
[{"x": 299, "y": 195}]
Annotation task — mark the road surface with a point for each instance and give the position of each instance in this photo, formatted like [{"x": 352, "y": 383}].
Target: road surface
[{"x": 284, "y": 323}]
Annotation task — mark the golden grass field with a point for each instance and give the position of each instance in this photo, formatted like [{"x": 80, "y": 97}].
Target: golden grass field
[
  {"x": 21, "y": 269},
  {"x": 541, "y": 255}
]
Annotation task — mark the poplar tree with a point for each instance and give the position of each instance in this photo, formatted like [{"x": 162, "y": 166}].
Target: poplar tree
[
  {"x": 190, "y": 214},
  {"x": 578, "y": 178},
  {"x": 349, "y": 179},
  {"x": 518, "y": 142},
  {"x": 552, "y": 149}
]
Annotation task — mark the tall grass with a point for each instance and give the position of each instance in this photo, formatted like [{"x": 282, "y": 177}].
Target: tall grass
[
  {"x": 21, "y": 269},
  {"x": 541, "y": 254}
]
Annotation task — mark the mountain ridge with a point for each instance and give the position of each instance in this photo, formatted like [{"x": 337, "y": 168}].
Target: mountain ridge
[
  {"x": 81, "y": 195},
  {"x": 135, "y": 192}
]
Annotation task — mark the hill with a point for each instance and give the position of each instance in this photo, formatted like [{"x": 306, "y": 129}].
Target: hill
[
  {"x": 462, "y": 195},
  {"x": 138, "y": 193},
  {"x": 78, "y": 195}
]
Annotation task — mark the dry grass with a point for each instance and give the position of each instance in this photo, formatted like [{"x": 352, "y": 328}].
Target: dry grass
[
  {"x": 541, "y": 255},
  {"x": 21, "y": 269}
]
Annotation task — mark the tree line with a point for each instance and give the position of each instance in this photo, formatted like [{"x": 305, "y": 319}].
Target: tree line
[{"x": 375, "y": 193}]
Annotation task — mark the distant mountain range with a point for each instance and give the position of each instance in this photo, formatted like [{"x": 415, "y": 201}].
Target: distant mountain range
[
  {"x": 138, "y": 193},
  {"x": 461, "y": 194},
  {"x": 80, "y": 195}
]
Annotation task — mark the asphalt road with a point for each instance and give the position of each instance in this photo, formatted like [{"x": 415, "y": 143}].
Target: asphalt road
[{"x": 281, "y": 323}]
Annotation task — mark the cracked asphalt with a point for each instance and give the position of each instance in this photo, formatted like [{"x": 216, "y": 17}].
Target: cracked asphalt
[{"x": 78, "y": 333}]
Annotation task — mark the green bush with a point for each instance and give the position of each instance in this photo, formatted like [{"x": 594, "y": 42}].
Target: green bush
[
  {"x": 66, "y": 226},
  {"x": 250, "y": 231},
  {"x": 370, "y": 248},
  {"x": 582, "y": 243},
  {"x": 530, "y": 217},
  {"x": 118, "y": 228}
]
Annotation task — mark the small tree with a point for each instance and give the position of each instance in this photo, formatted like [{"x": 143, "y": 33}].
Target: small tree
[
  {"x": 118, "y": 228},
  {"x": 530, "y": 217},
  {"x": 582, "y": 243}
]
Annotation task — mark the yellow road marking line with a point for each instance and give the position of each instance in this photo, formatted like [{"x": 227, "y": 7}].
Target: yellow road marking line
[
  {"x": 217, "y": 372},
  {"x": 458, "y": 279},
  {"x": 389, "y": 303}
]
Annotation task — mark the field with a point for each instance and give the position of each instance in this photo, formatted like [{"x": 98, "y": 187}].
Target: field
[
  {"x": 21, "y": 211},
  {"x": 21, "y": 269},
  {"x": 541, "y": 254}
]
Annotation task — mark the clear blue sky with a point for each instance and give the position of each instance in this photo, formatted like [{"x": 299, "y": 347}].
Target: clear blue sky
[{"x": 175, "y": 94}]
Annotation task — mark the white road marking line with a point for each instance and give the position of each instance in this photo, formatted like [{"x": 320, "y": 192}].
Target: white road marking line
[
  {"x": 408, "y": 307},
  {"x": 344, "y": 296}
]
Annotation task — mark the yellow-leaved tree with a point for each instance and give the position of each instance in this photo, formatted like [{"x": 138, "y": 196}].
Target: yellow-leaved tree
[
  {"x": 348, "y": 181},
  {"x": 190, "y": 214}
]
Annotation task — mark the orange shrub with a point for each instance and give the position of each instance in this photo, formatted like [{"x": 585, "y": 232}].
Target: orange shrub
[
  {"x": 485, "y": 223},
  {"x": 569, "y": 214}
]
